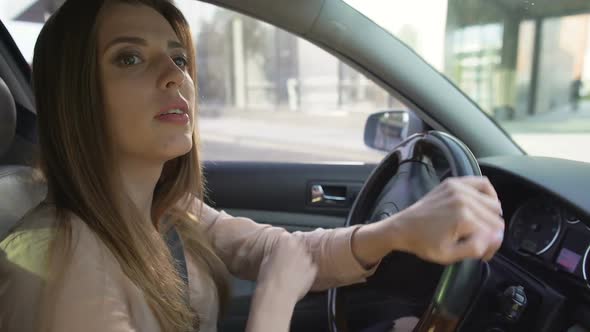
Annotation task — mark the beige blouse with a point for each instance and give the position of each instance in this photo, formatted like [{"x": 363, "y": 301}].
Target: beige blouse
[{"x": 98, "y": 296}]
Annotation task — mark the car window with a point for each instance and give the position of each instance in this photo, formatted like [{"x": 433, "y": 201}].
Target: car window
[
  {"x": 264, "y": 94},
  {"x": 525, "y": 63}
]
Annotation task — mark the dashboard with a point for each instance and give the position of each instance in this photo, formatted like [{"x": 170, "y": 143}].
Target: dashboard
[
  {"x": 545, "y": 230},
  {"x": 545, "y": 256}
]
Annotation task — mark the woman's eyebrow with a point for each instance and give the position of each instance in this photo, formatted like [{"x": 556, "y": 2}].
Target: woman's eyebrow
[
  {"x": 139, "y": 41},
  {"x": 175, "y": 44},
  {"x": 126, "y": 40}
]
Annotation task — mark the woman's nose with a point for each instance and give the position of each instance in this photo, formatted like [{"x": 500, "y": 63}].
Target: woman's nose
[{"x": 171, "y": 76}]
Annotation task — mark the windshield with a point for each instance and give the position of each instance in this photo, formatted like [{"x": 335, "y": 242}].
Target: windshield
[{"x": 525, "y": 63}]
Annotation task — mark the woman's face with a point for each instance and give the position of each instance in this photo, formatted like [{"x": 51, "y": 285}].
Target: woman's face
[{"x": 148, "y": 94}]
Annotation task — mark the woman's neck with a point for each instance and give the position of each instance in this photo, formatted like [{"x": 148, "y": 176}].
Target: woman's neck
[{"x": 139, "y": 180}]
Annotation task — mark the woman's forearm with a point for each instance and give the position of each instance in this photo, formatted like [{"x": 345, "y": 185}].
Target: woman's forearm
[{"x": 270, "y": 311}]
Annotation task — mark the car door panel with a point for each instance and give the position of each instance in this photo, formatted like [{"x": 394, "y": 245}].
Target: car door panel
[
  {"x": 279, "y": 194},
  {"x": 281, "y": 187}
]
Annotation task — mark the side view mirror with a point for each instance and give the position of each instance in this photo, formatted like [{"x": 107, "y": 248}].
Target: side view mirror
[{"x": 385, "y": 130}]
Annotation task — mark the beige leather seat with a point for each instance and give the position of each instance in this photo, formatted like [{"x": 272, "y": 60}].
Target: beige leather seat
[{"x": 19, "y": 192}]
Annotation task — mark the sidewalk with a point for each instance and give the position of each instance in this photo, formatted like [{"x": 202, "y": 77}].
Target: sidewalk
[
  {"x": 563, "y": 120},
  {"x": 563, "y": 133}
]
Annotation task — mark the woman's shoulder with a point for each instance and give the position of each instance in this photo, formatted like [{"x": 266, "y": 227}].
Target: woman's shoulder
[
  {"x": 74, "y": 283},
  {"x": 29, "y": 243}
]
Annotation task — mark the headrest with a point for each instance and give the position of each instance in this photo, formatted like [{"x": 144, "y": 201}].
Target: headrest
[{"x": 7, "y": 118}]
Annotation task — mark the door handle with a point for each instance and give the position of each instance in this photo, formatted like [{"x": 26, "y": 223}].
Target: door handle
[{"x": 318, "y": 195}]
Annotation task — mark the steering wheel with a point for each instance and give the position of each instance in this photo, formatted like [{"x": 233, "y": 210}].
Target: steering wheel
[{"x": 402, "y": 178}]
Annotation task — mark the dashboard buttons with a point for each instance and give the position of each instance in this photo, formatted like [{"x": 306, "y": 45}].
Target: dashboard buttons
[{"x": 513, "y": 302}]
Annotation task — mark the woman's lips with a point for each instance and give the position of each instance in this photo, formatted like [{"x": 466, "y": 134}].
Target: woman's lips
[
  {"x": 174, "y": 118},
  {"x": 176, "y": 112}
]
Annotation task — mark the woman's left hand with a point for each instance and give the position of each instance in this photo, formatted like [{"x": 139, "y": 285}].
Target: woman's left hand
[
  {"x": 405, "y": 324},
  {"x": 460, "y": 218}
]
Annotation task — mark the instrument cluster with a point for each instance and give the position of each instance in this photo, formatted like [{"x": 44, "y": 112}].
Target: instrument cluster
[{"x": 553, "y": 233}]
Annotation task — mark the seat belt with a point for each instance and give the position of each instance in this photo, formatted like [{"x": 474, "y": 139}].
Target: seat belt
[{"x": 175, "y": 246}]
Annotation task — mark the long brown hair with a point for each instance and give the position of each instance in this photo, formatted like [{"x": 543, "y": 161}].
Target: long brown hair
[{"x": 76, "y": 154}]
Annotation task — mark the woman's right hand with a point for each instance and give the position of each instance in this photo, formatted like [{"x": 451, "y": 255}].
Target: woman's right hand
[
  {"x": 285, "y": 276},
  {"x": 289, "y": 269}
]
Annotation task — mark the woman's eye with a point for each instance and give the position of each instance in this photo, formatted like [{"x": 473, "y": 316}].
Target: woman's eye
[
  {"x": 180, "y": 61},
  {"x": 129, "y": 60}
]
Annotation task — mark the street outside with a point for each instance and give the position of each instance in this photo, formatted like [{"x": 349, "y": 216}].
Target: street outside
[
  {"x": 308, "y": 137},
  {"x": 563, "y": 133},
  {"x": 286, "y": 137}
]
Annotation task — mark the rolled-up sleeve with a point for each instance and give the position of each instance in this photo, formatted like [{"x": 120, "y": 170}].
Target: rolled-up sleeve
[{"x": 242, "y": 244}]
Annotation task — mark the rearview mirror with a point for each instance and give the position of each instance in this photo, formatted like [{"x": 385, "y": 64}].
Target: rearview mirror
[{"x": 385, "y": 130}]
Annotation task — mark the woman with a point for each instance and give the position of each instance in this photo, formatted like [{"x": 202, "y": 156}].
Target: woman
[{"x": 115, "y": 94}]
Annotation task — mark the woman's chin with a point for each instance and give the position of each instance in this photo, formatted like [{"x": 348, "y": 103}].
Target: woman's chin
[{"x": 179, "y": 148}]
